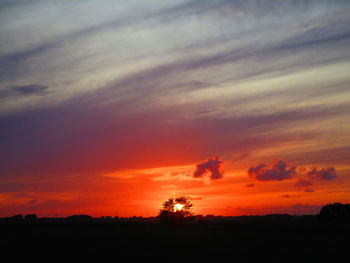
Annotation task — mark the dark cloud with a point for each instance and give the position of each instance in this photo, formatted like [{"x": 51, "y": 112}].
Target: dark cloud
[
  {"x": 304, "y": 185},
  {"x": 250, "y": 185},
  {"x": 278, "y": 170},
  {"x": 25, "y": 90},
  {"x": 30, "y": 89},
  {"x": 325, "y": 174},
  {"x": 212, "y": 166},
  {"x": 313, "y": 176}
]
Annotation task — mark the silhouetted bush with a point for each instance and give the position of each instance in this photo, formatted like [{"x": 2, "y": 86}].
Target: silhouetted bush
[
  {"x": 79, "y": 218},
  {"x": 30, "y": 217},
  {"x": 335, "y": 211},
  {"x": 16, "y": 217}
]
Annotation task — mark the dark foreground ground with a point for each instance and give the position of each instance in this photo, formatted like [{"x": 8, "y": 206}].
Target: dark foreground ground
[{"x": 221, "y": 240}]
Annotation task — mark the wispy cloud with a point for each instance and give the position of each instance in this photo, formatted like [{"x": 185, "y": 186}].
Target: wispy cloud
[
  {"x": 104, "y": 42},
  {"x": 25, "y": 90}
]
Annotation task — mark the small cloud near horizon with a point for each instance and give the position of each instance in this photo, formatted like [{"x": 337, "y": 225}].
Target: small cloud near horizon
[
  {"x": 304, "y": 185},
  {"x": 313, "y": 176},
  {"x": 326, "y": 174},
  {"x": 278, "y": 170}
]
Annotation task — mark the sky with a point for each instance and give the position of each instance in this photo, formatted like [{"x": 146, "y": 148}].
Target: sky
[{"x": 109, "y": 108}]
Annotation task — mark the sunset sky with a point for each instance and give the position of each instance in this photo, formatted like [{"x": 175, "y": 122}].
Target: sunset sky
[{"x": 110, "y": 107}]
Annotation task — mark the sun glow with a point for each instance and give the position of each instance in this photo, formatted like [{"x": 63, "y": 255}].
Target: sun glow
[{"x": 178, "y": 207}]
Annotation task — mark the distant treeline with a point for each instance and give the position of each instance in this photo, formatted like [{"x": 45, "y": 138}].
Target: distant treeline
[{"x": 329, "y": 212}]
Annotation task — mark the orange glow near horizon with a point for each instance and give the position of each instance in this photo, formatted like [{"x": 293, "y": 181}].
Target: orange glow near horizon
[{"x": 142, "y": 192}]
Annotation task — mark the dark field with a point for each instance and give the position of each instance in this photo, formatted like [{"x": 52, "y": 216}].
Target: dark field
[{"x": 240, "y": 240}]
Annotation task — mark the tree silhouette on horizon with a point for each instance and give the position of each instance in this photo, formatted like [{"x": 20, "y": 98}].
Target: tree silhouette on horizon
[
  {"x": 171, "y": 215},
  {"x": 335, "y": 211}
]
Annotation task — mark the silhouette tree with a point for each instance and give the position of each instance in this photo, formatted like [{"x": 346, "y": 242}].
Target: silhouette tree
[
  {"x": 176, "y": 211},
  {"x": 335, "y": 211}
]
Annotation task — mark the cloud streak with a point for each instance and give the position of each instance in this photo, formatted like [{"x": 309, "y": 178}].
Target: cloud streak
[{"x": 26, "y": 90}]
